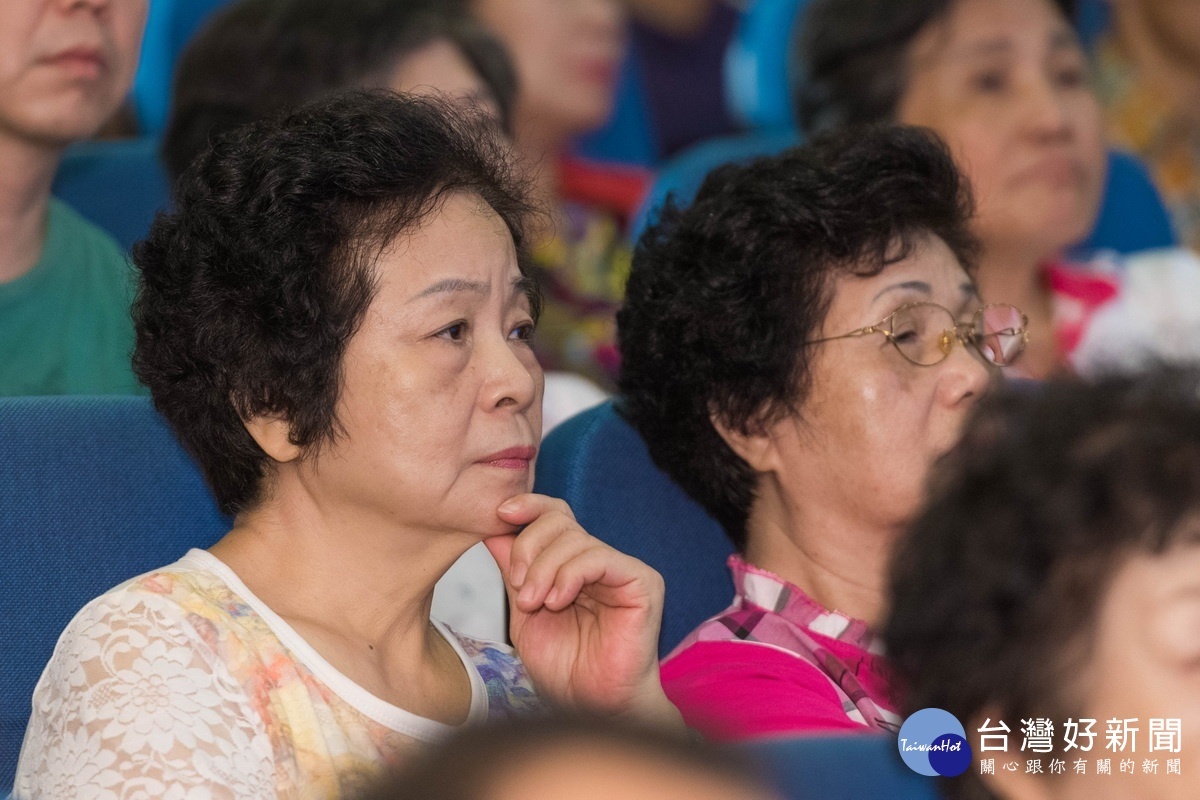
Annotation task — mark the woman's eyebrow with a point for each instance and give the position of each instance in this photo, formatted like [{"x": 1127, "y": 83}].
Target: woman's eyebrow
[
  {"x": 454, "y": 285},
  {"x": 524, "y": 285},
  {"x": 912, "y": 286}
]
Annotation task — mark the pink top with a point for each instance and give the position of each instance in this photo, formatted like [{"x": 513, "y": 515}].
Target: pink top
[{"x": 776, "y": 662}]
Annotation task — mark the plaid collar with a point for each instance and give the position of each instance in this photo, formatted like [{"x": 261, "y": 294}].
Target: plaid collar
[{"x": 759, "y": 588}]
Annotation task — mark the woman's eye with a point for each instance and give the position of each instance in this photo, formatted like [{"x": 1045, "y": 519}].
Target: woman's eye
[
  {"x": 990, "y": 82},
  {"x": 455, "y": 333},
  {"x": 904, "y": 337},
  {"x": 523, "y": 333},
  {"x": 1071, "y": 78}
]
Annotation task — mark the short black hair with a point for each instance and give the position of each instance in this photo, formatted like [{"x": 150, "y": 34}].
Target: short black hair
[
  {"x": 476, "y": 760},
  {"x": 850, "y": 57},
  {"x": 724, "y": 293},
  {"x": 251, "y": 288},
  {"x": 995, "y": 592},
  {"x": 258, "y": 57}
]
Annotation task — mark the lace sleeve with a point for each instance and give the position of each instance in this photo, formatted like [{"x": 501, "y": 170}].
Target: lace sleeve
[{"x": 134, "y": 703}]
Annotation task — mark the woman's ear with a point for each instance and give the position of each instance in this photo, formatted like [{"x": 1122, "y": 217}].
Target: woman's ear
[
  {"x": 754, "y": 444},
  {"x": 273, "y": 433}
]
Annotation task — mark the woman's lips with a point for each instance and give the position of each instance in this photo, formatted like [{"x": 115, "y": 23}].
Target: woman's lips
[
  {"x": 512, "y": 458},
  {"x": 84, "y": 62}
]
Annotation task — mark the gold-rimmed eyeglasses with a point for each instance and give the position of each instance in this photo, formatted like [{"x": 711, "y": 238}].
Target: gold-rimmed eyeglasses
[{"x": 925, "y": 332}]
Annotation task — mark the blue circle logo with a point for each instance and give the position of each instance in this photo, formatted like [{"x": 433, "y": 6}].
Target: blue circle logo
[{"x": 933, "y": 742}]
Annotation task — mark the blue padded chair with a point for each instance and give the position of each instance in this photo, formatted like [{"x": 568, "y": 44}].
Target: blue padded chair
[
  {"x": 169, "y": 27},
  {"x": 95, "y": 491},
  {"x": 758, "y": 77},
  {"x": 682, "y": 176},
  {"x": 1132, "y": 216},
  {"x": 628, "y": 137},
  {"x": 841, "y": 768},
  {"x": 119, "y": 185},
  {"x": 1092, "y": 18},
  {"x": 598, "y": 463}
]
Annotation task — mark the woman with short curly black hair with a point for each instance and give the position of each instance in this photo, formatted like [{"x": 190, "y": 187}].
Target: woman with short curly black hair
[
  {"x": 336, "y": 322},
  {"x": 797, "y": 346},
  {"x": 1054, "y": 579}
]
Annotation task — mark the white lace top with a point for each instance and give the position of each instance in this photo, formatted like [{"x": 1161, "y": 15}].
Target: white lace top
[{"x": 182, "y": 684}]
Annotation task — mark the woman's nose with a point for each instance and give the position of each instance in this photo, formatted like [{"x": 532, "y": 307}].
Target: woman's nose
[
  {"x": 1046, "y": 113},
  {"x": 513, "y": 376},
  {"x": 966, "y": 375}
]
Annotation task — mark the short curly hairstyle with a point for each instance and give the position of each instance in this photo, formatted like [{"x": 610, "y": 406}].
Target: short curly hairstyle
[
  {"x": 849, "y": 58},
  {"x": 995, "y": 592},
  {"x": 256, "y": 58},
  {"x": 724, "y": 293},
  {"x": 251, "y": 288}
]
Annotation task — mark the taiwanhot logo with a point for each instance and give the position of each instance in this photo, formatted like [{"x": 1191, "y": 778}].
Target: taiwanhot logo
[{"x": 933, "y": 742}]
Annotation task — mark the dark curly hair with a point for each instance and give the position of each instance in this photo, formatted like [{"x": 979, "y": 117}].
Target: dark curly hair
[
  {"x": 724, "y": 293},
  {"x": 995, "y": 593},
  {"x": 250, "y": 290},
  {"x": 259, "y": 57},
  {"x": 850, "y": 57}
]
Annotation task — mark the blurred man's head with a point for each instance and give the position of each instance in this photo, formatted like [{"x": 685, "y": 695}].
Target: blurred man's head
[{"x": 65, "y": 65}]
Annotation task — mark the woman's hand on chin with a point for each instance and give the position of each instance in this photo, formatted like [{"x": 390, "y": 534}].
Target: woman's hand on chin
[{"x": 585, "y": 617}]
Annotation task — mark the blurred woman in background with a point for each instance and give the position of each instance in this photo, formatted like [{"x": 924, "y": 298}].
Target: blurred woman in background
[
  {"x": 257, "y": 57},
  {"x": 568, "y": 55}
]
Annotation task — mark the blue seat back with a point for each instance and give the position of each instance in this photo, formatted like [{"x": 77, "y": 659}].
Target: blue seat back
[
  {"x": 169, "y": 27},
  {"x": 628, "y": 137},
  {"x": 119, "y": 185},
  {"x": 95, "y": 490},
  {"x": 599, "y": 464},
  {"x": 682, "y": 176},
  {"x": 841, "y": 768},
  {"x": 758, "y": 79},
  {"x": 1132, "y": 216}
]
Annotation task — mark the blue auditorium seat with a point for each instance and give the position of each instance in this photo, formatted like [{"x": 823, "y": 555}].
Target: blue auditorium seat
[
  {"x": 95, "y": 490},
  {"x": 169, "y": 27},
  {"x": 844, "y": 767},
  {"x": 598, "y": 463},
  {"x": 1132, "y": 215},
  {"x": 628, "y": 137},
  {"x": 682, "y": 175},
  {"x": 119, "y": 185},
  {"x": 758, "y": 79}
]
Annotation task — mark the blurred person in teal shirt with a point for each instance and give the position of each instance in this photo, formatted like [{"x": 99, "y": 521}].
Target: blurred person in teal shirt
[{"x": 64, "y": 284}]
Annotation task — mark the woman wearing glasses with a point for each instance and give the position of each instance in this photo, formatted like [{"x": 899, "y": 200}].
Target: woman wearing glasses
[{"x": 798, "y": 346}]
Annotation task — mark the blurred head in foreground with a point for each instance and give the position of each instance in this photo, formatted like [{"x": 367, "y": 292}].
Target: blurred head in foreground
[
  {"x": 1055, "y": 574},
  {"x": 577, "y": 757}
]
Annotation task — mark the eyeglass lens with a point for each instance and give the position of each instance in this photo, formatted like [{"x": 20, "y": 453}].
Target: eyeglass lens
[{"x": 924, "y": 333}]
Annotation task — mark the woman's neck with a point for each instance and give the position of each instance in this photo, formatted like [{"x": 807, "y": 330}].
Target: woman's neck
[
  {"x": 1018, "y": 279},
  {"x": 24, "y": 202},
  {"x": 367, "y": 580},
  {"x": 837, "y": 560},
  {"x": 359, "y": 590}
]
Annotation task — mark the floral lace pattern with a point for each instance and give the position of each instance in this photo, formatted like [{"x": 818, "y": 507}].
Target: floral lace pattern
[{"x": 182, "y": 684}]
